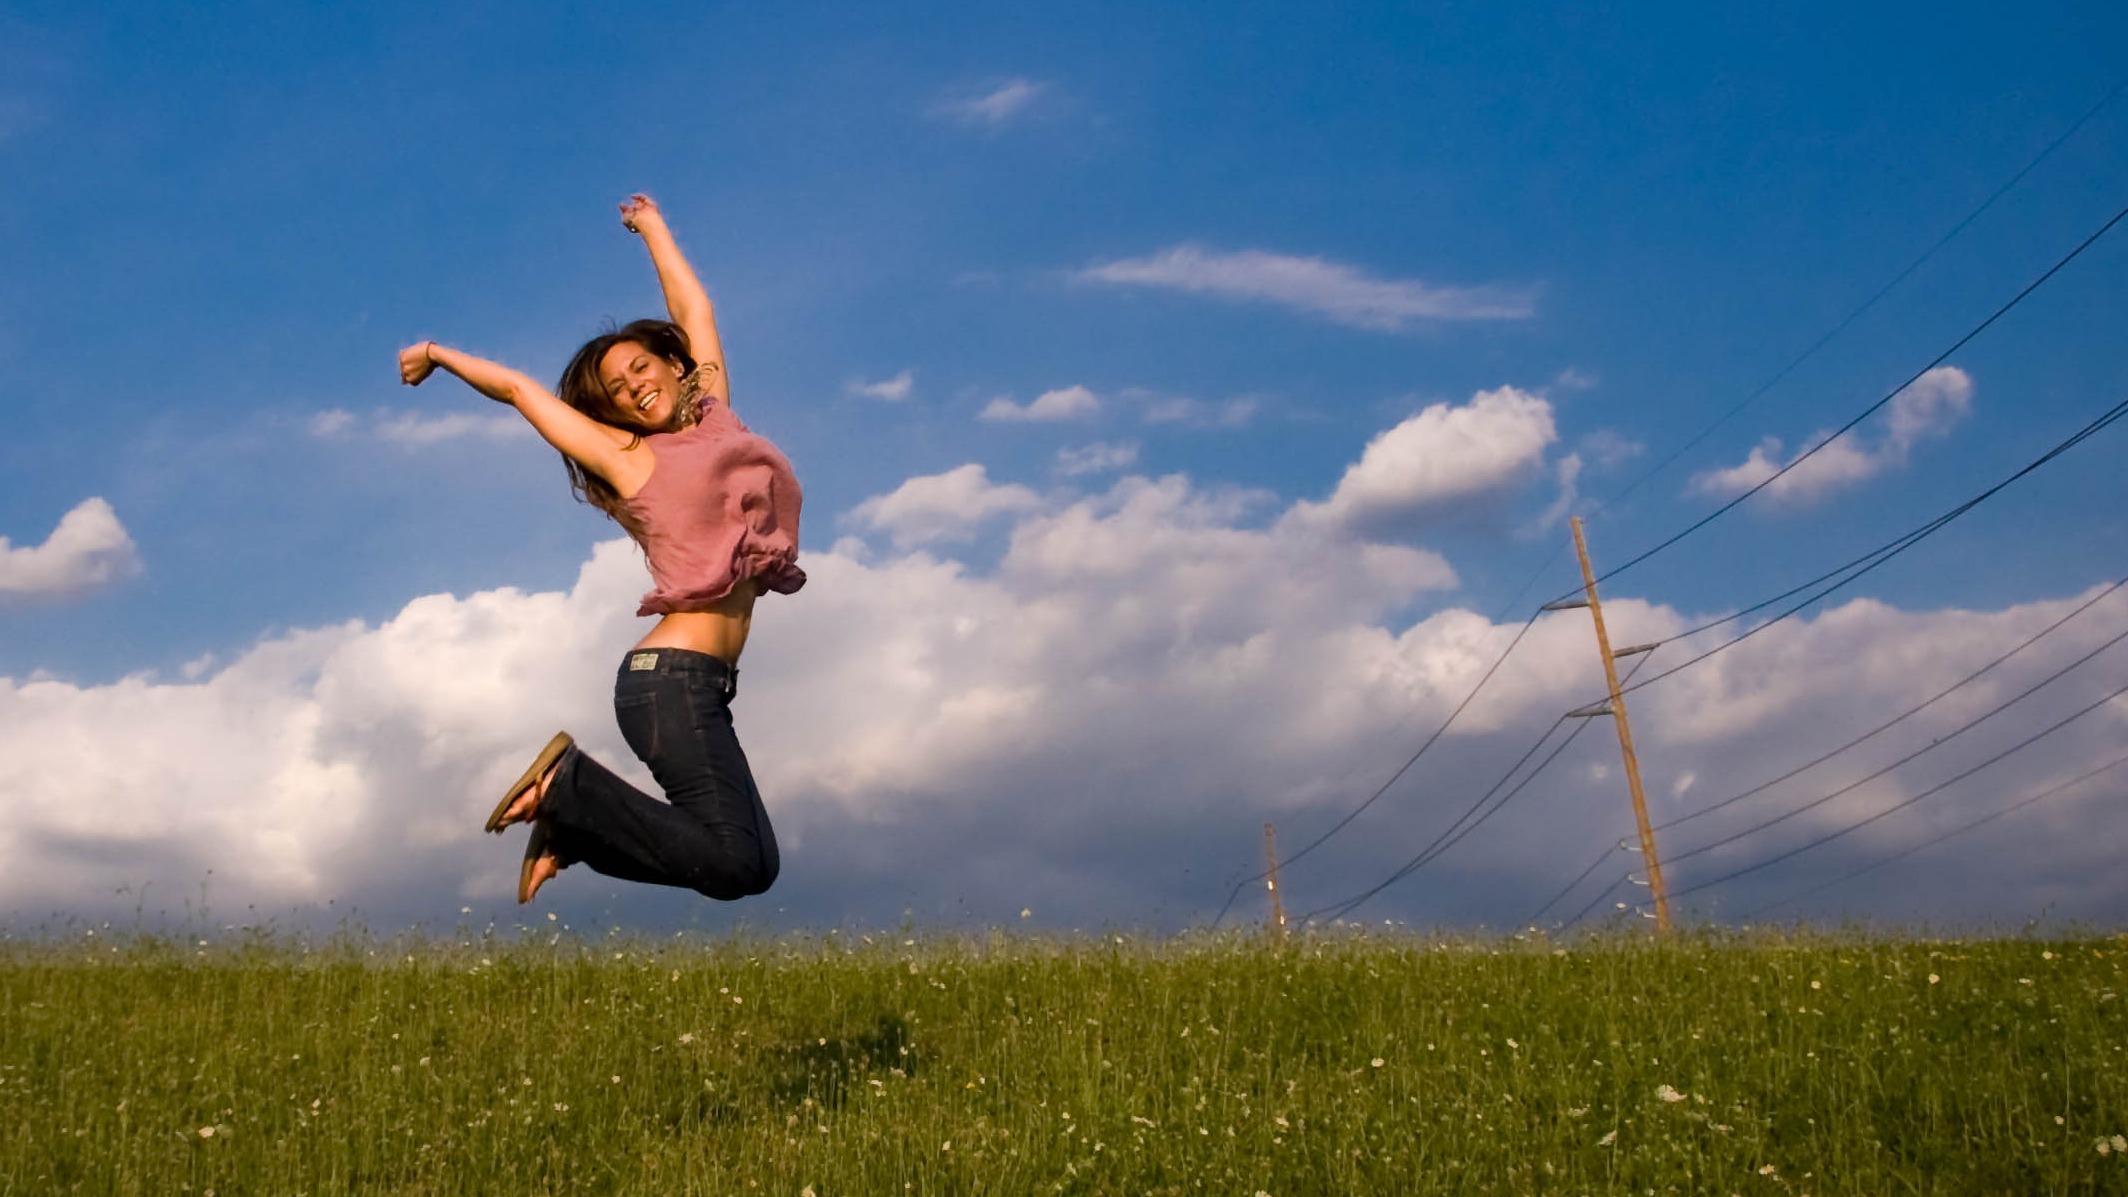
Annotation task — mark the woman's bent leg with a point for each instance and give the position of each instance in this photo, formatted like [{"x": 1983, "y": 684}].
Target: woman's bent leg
[{"x": 713, "y": 836}]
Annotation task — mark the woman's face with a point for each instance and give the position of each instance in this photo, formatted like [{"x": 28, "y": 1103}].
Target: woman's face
[{"x": 643, "y": 387}]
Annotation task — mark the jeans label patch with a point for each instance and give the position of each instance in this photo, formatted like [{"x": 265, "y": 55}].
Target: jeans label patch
[{"x": 643, "y": 661}]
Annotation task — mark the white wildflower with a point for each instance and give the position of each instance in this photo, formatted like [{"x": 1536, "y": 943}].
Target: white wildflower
[
  {"x": 1668, "y": 1094},
  {"x": 1609, "y": 1138}
]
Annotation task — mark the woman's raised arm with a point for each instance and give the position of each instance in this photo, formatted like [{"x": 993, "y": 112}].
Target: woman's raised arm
[
  {"x": 601, "y": 448},
  {"x": 685, "y": 299}
]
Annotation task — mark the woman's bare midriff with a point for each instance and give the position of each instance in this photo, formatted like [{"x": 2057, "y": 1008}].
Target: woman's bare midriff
[{"x": 720, "y": 631}]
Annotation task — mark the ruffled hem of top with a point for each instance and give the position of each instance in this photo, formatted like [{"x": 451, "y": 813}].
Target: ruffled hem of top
[{"x": 780, "y": 577}]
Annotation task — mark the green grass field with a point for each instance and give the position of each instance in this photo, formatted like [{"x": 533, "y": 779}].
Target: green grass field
[{"x": 1010, "y": 1065}]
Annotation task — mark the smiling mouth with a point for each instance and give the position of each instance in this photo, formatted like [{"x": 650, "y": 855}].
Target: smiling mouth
[{"x": 643, "y": 404}]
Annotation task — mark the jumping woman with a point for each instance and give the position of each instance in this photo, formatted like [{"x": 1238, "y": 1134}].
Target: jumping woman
[{"x": 645, "y": 427}]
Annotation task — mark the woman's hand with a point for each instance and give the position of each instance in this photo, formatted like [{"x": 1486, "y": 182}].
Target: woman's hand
[
  {"x": 416, "y": 362},
  {"x": 640, "y": 212}
]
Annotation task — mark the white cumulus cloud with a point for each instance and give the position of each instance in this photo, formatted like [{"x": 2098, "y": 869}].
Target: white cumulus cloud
[
  {"x": 942, "y": 507},
  {"x": 419, "y": 429},
  {"x": 88, "y": 549},
  {"x": 1567, "y": 472},
  {"x": 331, "y": 422},
  {"x": 890, "y": 390},
  {"x": 1332, "y": 290},
  {"x": 1608, "y": 449},
  {"x": 1066, "y": 403},
  {"x": 1929, "y": 408},
  {"x": 1099, "y": 457},
  {"x": 1095, "y": 725},
  {"x": 1195, "y": 413},
  {"x": 1441, "y": 457}
]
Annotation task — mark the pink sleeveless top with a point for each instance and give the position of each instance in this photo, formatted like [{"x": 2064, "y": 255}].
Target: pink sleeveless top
[{"x": 721, "y": 507}]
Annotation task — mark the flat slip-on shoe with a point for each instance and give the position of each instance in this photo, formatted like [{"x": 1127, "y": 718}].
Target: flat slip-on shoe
[
  {"x": 561, "y": 743},
  {"x": 535, "y": 847}
]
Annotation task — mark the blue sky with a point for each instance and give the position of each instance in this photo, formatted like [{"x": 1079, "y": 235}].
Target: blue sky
[{"x": 1254, "y": 238}]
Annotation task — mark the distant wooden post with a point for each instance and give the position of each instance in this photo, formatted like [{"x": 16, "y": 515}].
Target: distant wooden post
[
  {"x": 1278, "y": 901},
  {"x": 1616, "y": 708}
]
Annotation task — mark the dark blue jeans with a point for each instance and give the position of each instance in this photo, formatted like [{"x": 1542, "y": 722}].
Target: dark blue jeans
[{"x": 711, "y": 834}]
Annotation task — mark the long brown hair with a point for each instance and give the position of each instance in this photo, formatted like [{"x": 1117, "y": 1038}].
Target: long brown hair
[{"x": 583, "y": 389}]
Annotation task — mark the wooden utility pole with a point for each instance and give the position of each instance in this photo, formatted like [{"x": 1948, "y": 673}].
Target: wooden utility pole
[
  {"x": 1278, "y": 902},
  {"x": 1616, "y": 708}
]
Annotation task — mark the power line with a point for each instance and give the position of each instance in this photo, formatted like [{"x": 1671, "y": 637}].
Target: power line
[
  {"x": 1873, "y": 408},
  {"x": 1781, "y": 374},
  {"x": 1860, "y": 565},
  {"x": 1448, "y": 836},
  {"x": 1457, "y": 831},
  {"x": 1595, "y": 901},
  {"x": 1910, "y": 712},
  {"x": 1899, "y": 806},
  {"x": 1931, "y": 746},
  {"x": 1395, "y": 733},
  {"x": 1402, "y": 769},
  {"x": 1580, "y": 877},
  {"x": 1621, "y": 845},
  {"x": 1830, "y": 335},
  {"x": 1376, "y": 796},
  {"x": 1852, "y": 570},
  {"x": 1976, "y": 331},
  {"x": 1884, "y": 553},
  {"x": 1932, "y": 841}
]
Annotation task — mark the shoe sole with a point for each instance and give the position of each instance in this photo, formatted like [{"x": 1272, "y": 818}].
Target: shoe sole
[{"x": 561, "y": 743}]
